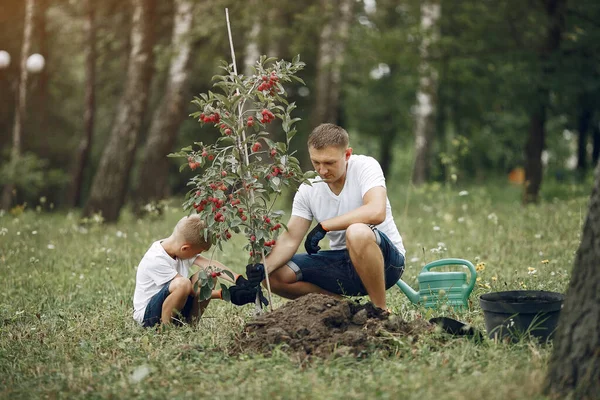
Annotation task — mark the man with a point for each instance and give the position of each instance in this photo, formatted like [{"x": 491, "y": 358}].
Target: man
[{"x": 350, "y": 204}]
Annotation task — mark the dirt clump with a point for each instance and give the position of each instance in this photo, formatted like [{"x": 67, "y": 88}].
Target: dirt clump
[{"x": 320, "y": 325}]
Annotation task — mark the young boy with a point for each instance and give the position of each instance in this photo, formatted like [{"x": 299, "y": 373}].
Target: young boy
[{"x": 162, "y": 285}]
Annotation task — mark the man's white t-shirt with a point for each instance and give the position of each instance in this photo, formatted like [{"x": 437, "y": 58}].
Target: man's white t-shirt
[
  {"x": 156, "y": 269},
  {"x": 320, "y": 203}
]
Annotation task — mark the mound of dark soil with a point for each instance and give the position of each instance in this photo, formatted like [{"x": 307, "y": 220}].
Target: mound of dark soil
[{"x": 319, "y": 325}]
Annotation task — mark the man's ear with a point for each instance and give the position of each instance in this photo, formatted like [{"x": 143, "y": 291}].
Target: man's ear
[{"x": 348, "y": 153}]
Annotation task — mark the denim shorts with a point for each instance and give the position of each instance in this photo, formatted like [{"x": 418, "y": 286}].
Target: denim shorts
[
  {"x": 154, "y": 308},
  {"x": 333, "y": 271}
]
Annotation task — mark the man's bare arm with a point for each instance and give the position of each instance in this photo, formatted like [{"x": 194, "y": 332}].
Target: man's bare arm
[
  {"x": 287, "y": 243},
  {"x": 371, "y": 212}
]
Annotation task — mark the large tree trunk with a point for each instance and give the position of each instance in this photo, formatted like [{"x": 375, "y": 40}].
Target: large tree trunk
[
  {"x": 154, "y": 169},
  {"x": 85, "y": 145},
  {"x": 44, "y": 76},
  {"x": 427, "y": 93},
  {"x": 110, "y": 183},
  {"x": 574, "y": 367},
  {"x": 330, "y": 59},
  {"x": 20, "y": 110},
  {"x": 555, "y": 10}
]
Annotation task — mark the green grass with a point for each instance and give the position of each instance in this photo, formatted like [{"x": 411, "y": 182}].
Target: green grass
[{"x": 65, "y": 309}]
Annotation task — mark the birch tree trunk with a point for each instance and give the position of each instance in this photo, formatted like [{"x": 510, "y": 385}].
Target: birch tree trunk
[
  {"x": 574, "y": 369},
  {"x": 110, "y": 182},
  {"x": 555, "y": 10},
  {"x": 330, "y": 59},
  {"x": 20, "y": 109},
  {"x": 85, "y": 144},
  {"x": 427, "y": 93},
  {"x": 154, "y": 169}
]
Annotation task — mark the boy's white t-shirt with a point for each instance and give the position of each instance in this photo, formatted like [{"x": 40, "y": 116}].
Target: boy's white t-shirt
[
  {"x": 320, "y": 203},
  {"x": 156, "y": 269}
]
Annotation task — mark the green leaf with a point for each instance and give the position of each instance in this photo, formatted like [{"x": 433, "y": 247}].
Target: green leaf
[
  {"x": 182, "y": 167},
  {"x": 205, "y": 292},
  {"x": 202, "y": 275},
  {"x": 225, "y": 293},
  {"x": 228, "y": 273}
]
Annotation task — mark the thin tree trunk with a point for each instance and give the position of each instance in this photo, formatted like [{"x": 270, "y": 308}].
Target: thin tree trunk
[
  {"x": 154, "y": 170},
  {"x": 339, "y": 49},
  {"x": 85, "y": 144},
  {"x": 555, "y": 10},
  {"x": 533, "y": 155},
  {"x": 574, "y": 369},
  {"x": 596, "y": 142},
  {"x": 20, "y": 109},
  {"x": 427, "y": 93},
  {"x": 324, "y": 61},
  {"x": 44, "y": 76},
  {"x": 583, "y": 125},
  {"x": 112, "y": 177}
]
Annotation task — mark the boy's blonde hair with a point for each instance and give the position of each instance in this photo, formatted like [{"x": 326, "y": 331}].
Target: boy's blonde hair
[
  {"x": 192, "y": 230},
  {"x": 328, "y": 135}
]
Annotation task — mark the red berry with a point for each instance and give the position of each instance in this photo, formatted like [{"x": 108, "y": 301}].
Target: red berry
[
  {"x": 214, "y": 274},
  {"x": 211, "y": 157},
  {"x": 204, "y": 153},
  {"x": 273, "y": 152},
  {"x": 256, "y": 147},
  {"x": 202, "y": 117},
  {"x": 244, "y": 218},
  {"x": 227, "y": 131},
  {"x": 267, "y": 220},
  {"x": 252, "y": 238},
  {"x": 223, "y": 173},
  {"x": 228, "y": 235}
]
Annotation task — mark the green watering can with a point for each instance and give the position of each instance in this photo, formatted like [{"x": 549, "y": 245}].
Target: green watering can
[{"x": 437, "y": 288}]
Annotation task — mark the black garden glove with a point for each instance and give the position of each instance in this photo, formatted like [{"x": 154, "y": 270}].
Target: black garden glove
[
  {"x": 255, "y": 273},
  {"x": 242, "y": 294},
  {"x": 311, "y": 244}
]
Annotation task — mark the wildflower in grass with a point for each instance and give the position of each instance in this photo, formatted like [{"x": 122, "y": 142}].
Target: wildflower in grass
[
  {"x": 545, "y": 261},
  {"x": 463, "y": 193},
  {"x": 531, "y": 271},
  {"x": 480, "y": 267},
  {"x": 538, "y": 235},
  {"x": 461, "y": 220},
  {"x": 414, "y": 259},
  {"x": 436, "y": 228},
  {"x": 493, "y": 217},
  {"x": 494, "y": 278},
  {"x": 51, "y": 246}
]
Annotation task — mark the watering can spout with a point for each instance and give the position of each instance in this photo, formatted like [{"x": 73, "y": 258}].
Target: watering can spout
[{"x": 408, "y": 291}]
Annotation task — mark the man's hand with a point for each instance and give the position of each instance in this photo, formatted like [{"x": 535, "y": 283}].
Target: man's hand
[
  {"x": 255, "y": 273},
  {"x": 311, "y": 244}
]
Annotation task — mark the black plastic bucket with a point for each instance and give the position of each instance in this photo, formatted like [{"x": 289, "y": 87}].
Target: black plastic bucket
[{"x": 521, "y": 313}]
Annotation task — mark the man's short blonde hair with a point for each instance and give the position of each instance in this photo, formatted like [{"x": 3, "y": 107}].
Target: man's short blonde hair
[
  {"x": 192, "y": 230},
  {"x": 328, "y": 135}
]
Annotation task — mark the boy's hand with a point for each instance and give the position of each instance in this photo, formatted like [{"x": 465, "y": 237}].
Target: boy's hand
[
  {"x": 242, "y": 294},
  {"x": 255, "y": 273},
  {"x": 311, "y": 244}
]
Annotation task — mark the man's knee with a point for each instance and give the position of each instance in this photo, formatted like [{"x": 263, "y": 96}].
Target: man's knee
[
  {"x": 359, "y": 234},
  {"x": 282, "y": 276},
  {"x": 180, "y": 285}
]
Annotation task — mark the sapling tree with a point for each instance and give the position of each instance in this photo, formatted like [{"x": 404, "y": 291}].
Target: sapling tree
[{"x": 239, "y": 177}]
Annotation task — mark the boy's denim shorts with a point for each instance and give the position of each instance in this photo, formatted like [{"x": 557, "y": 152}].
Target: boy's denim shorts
[
  {"x": 333, "y": 271},
  {"x": 154, "y": 308}
]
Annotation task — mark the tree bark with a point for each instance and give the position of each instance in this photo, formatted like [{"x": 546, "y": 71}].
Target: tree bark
[
  {"x": 85, "y": 145},
  {"x": 574, "y": 368},
  {"x": 154, "y": 169},
  {"x": 20, "y": 109},
  {"x": 330, "y": 59},
  {"x": 555, "y": 11},
  {"x": 110, "y": 182},
  {"x": 427, "y": 93}
]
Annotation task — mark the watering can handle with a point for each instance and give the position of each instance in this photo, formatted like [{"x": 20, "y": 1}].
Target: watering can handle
[{"x": 455, "y": 261}]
